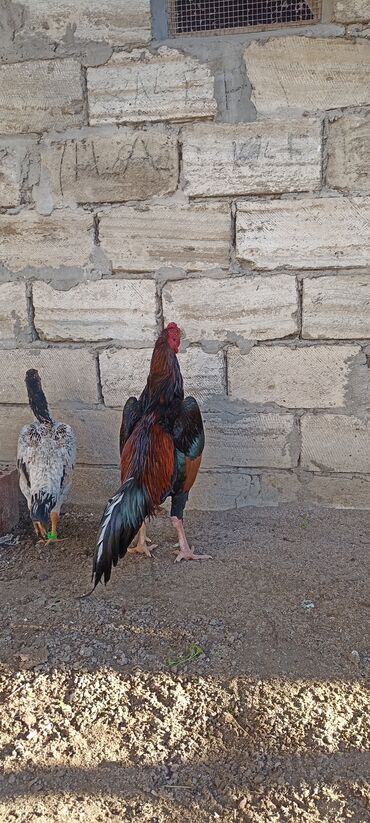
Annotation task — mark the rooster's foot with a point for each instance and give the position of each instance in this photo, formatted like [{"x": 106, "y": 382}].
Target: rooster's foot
[
  {"x": 186, "y": 553},
  {"x": 142, "y": 548},
  {"x": 141, "y": 545}
]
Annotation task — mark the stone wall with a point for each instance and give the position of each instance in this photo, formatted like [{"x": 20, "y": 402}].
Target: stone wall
[{"x": 221, "y": 182}]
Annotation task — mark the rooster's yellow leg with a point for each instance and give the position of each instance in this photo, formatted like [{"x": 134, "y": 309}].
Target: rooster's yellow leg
[
  {"x": 185, "y": 553},
  {"x": 141, "y": 546}
]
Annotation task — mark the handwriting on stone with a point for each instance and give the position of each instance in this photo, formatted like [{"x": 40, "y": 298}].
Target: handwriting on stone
[
  {"x": 256, "y": 148},
  {"x": 117, "y": 168}
]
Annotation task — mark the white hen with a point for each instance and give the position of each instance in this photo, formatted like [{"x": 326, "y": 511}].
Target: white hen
[{"x": 45, "y": 459}]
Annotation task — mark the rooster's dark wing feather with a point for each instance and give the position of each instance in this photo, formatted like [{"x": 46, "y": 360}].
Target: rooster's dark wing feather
[
  {"x": 132, "y": 413},
  {"x": 188, "y": 437}
]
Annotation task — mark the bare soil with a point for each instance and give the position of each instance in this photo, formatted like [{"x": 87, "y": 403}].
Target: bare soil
[{"x": 270, "y": 723}]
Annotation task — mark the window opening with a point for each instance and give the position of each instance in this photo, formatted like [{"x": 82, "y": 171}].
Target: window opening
[{"x": 225, "y": 16}]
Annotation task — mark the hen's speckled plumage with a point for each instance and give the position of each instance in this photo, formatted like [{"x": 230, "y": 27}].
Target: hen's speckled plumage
[{"x": 45, "y": 457}]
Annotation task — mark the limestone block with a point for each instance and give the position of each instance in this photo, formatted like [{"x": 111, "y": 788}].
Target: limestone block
[
  {"x": 352, "y": 11},
  {"x": 276, "y": 488},
  {"x": 117, "y": 22},
  {"x": 335, "y": 443},
  {"x": 348, "y": 166},
  {"x": 127, "y": 165},
  {"x": 311, "y": 233},
  {"x": 121, "y": 310},
  {"x": 17, "y": 154},
  {"x": 40, "y": 95},
  {"x": 252, "y": 158},
  {"x": 312, "y": 377},
  {"x": 337, "y": 491},
  {"x": 236, "y": 489},
  {"x": 139, "y": 86},
  {"x": 242, "y": 440},
  {"x": 97, "y": 434},
  {"x": 307, "y": 74},
  {"x": 194, "y": 238},
  {"x": 254, "y": 307},
  {"x": 337, "y": 306},
  {"x": 66, "y": 374},
  {"x": 13, "y": 311},
  {"x": 29, "y": 240}
]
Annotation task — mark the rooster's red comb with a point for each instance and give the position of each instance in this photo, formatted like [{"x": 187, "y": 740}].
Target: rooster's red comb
[{"x": 173, "y": 327}]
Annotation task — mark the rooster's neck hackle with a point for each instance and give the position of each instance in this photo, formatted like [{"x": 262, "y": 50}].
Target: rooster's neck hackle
[
  {"x": 164, "y": 382},
  {"x": 163, "y": 358}
]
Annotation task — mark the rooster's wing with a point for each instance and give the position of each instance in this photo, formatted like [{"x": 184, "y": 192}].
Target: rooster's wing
[
  {"x": 132, "y": 413},
  {"x": 188, "y": 437}
]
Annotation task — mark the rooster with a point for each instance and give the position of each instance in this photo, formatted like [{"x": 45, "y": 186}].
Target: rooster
[
  {"x": 45, "y": 460},
  {"x": 162, "y": 440}
]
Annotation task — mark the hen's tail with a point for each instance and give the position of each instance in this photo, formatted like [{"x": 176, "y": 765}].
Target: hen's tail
[
  {"x": 42, "y": 504},
  {"x": 147, "y": 469},
  {"x": 36, "y": 397}
]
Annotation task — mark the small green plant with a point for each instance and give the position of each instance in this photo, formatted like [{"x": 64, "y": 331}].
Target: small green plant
[
  {"x": 192, "y": 652},
  {"x": 304, "y": 522}
]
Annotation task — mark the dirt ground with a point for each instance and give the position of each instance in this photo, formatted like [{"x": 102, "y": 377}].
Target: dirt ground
[{"x": 101, "y": 721}]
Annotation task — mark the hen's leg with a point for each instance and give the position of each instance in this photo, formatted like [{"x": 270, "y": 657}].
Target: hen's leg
[
  {"x": 53, "y": 534},
  {"x": 40, "y": 530},
  {"x": 141, "y": 546}
]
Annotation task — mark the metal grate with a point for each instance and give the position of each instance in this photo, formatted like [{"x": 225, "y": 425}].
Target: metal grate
[{"x": 223, "y": 16}]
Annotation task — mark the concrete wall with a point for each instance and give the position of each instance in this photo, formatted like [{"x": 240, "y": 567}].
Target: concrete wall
[{"x": 221, "y": 182}]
